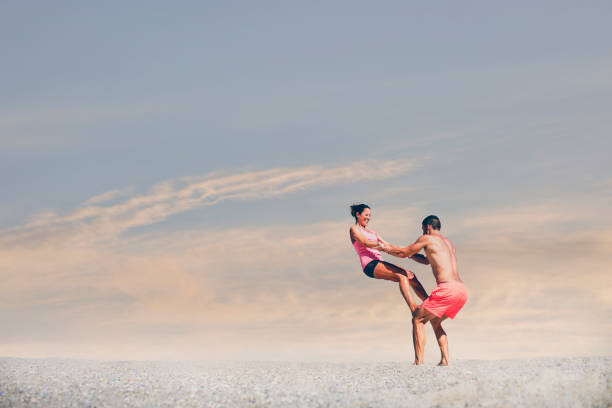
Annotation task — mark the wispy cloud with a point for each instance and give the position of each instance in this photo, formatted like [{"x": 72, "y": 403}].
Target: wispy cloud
[
  {"x": 106, "y": 196},
  {"x": 174, "y": 196}
]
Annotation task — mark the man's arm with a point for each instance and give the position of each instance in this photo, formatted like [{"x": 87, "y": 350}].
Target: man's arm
[
  {"x": 422, "y": 259},
  {"x": 408, "y": 251}
]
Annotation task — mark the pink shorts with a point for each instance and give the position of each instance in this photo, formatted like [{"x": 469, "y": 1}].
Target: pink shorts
[{"x": 446, "y": 299}]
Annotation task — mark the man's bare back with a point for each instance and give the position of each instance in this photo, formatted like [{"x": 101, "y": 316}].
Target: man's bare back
[{"x": 441, "y": 255}]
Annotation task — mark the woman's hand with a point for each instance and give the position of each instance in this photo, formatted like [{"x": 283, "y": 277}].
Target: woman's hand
[{"x": 382, "y": 245}]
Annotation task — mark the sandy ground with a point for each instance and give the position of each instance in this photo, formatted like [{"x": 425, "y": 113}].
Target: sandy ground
[{"x": 567, "y": 382}]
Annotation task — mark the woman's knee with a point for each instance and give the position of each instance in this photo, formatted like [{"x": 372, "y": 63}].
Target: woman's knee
[
  {"x": 400, "y": 271},
  {"x": 408, "y": 274}
]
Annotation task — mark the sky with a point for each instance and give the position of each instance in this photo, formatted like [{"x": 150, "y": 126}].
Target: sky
[{"x": 176, "y": 178}]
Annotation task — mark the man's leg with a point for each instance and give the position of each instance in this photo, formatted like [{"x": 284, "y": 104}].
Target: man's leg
[
  {"x": 442, "y": 339},
  {"x": 421, "y": 317}
]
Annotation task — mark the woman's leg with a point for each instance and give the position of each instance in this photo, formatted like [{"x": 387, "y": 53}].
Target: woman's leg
[
  {"x": 417, "y": 287},
  {"x": 388, "y": 271},
  {"x": 404, "y": 285},
  {"x": 412, "y": 279}
]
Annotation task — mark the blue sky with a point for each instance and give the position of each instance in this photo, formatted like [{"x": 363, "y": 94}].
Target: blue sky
[{"x": 149, "y": 152}]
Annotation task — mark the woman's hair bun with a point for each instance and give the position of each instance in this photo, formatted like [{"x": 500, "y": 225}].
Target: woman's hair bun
[{"x": 358, "y": 209}]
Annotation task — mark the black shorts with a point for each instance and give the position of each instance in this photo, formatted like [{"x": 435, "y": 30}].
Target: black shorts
[{"x": 369, "y": 268}]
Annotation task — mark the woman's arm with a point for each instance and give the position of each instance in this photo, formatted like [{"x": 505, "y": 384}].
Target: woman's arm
[
  {"x": 381, "y": 241},
  {"x": 357, "y": 236}
]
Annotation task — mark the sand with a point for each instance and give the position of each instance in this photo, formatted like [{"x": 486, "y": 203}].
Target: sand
[{"x": 564, "y": 382}]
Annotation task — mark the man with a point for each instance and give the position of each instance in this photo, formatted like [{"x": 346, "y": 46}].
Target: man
[{"x": 447, "y": 298}]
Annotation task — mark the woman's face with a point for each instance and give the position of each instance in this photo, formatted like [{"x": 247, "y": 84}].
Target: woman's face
[{"x": 364, "y": 217}]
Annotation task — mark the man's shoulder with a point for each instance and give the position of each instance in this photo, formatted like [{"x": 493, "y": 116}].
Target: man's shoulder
[
  {"x": 436, "y": 240},
  {"x": 426, "y": 239}
]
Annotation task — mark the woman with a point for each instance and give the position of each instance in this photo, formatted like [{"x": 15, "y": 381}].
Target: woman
[{"x": 366, "y": 243}]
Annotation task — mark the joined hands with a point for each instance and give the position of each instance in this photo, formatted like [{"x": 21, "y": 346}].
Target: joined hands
[{"x": 383, "y": 245}]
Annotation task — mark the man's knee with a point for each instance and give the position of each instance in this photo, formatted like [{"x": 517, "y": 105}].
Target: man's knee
[
  {"x": 422, "y": 316},
  {"x": 418, "y": 317}
]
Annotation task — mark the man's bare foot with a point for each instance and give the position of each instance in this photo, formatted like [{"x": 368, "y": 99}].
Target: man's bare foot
[
  {"x": 443, "y": 362},
  {"x": 417, "y": 362}
]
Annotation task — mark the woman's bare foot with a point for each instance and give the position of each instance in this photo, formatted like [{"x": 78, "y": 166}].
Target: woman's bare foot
[
  {"x": 443, "y": 362},
  {"x": 417, "y": 362}
]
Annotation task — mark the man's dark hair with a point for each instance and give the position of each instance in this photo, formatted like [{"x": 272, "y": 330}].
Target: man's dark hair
[{"x": 433, "y": 221}]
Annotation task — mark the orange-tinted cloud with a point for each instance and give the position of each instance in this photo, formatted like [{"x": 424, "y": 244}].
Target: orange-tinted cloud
[{"x": 297, "y": 292}]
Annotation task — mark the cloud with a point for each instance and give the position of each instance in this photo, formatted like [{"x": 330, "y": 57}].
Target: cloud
[
  {"x": 61, "y": 270},
  {"x": 534, "y": 269},
  {"x": 220, "y": 284},
  {"x": 217, "y": 284},
  {"x": 94, "y": 221},
  {"x": 106, "y": 196},
  {"x": 295, "y": 291}
]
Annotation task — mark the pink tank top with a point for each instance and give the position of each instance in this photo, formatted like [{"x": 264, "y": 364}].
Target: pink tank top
[{"x": 367, "y": 255}]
